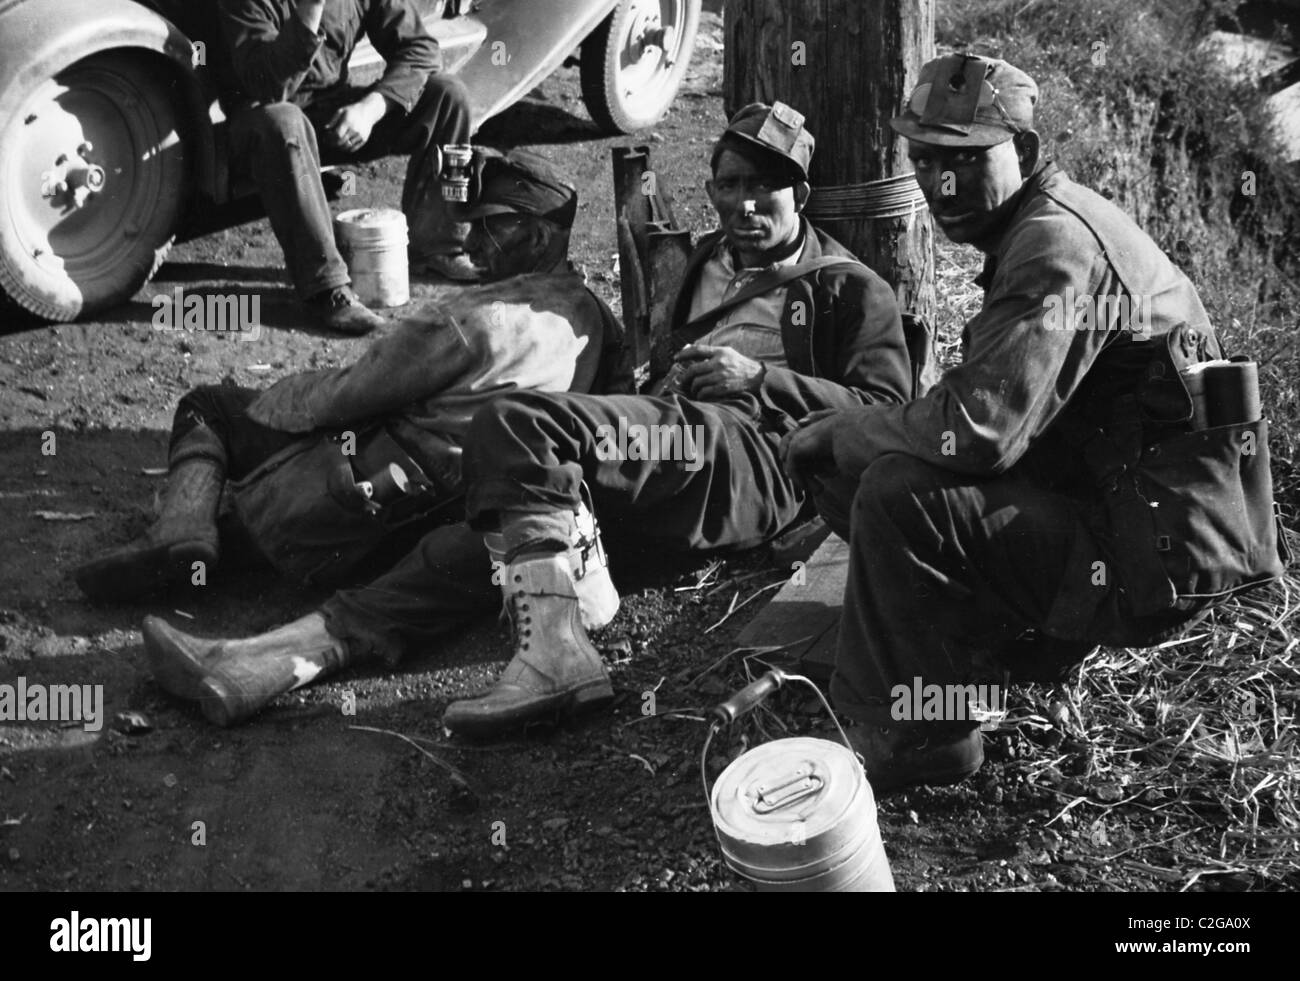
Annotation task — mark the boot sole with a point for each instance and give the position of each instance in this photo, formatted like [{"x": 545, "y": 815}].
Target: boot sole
[
  {"x": 938, "y": 777},
  {"x": 552, "y": 708},
  {"x": 137, "y": 575}
]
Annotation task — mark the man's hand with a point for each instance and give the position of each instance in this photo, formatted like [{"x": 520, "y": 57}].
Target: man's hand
[
  {"x": 717, "y": 371},
  {"x": 809, "y": 451},
  {"x": 311, "y": 13},
  {"x": 351, "y": 126}
]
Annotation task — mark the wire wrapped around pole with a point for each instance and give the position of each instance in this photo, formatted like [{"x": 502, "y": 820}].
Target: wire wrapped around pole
[{"x": 891, "y": 197}]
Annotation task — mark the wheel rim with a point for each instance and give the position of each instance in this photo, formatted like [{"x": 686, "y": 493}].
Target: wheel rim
[
  {"x": 649, "y": 52},
  {"x": 85, "y": 176}
]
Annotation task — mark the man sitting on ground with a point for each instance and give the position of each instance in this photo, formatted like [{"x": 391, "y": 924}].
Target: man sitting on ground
[{"x": 1051, "y": 493}]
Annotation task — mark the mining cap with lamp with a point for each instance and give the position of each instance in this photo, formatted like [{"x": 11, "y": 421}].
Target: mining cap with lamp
[
  {"x": 777, "y": 129},
  {"x": 963, "y": 100},
  {"x": 520, "y": 182}
]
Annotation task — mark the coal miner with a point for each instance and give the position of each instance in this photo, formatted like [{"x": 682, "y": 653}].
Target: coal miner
[
  {"x": 1054, "y": 491},
  {"x": 289, "y": 60},
  {"x": 776, "y": 320},
  {"x": 337, "y": 470}
]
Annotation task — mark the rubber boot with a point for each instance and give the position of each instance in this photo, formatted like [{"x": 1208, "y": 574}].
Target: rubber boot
[
  {"x": 232, "y": 679},
  {"x": 555, "y": 670},
  {"x": 931, "y": 753},
  {"x": 598, "y": 600},
  {"x": 185, "y": 532}
]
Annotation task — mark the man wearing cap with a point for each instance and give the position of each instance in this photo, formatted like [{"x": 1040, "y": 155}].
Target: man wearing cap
[
  {"x": 777, "y": 320},
  {"x": 289, "y": 62},
  {"x": 981, "y": 530},
  {"x": 298, "y": 452}
]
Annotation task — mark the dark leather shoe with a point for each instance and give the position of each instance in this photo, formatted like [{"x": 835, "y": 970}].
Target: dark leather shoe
[
  {"x": 341, "y": 309},
  {"x": 901, "y": 756}
]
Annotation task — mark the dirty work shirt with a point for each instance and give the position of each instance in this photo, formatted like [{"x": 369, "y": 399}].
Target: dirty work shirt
[
  {"x": 754, "y": 327},
  {"x": 277, "y": 59},
  {"x": 967, "y": 507},
  {"x": 428, "y": 378}
]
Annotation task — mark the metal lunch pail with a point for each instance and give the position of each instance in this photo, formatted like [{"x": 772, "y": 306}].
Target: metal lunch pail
[{"x": 796, "y": 815}]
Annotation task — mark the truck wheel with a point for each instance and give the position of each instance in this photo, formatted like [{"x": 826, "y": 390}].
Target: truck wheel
[
  {"x": 634, "y": 61},
  {"x": 93, "y": 182}
]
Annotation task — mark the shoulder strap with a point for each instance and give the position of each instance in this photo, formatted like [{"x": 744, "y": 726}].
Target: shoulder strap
[{"x": 764, "y": 283}]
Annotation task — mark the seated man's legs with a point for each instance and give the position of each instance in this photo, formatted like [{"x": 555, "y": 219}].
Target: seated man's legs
[
  {"x": 945, "y": 567},
  {"x": 276, "y": 146},
  {"x": 212, "y": 439},
  {"x": 437, "y": 227},
  {"x": 528, "y": 457},
  {"x": 719, "y": 485}
]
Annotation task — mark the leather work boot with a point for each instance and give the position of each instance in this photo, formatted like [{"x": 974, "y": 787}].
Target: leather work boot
[
  {"x": 184, "y": 532},
  {"x": 341, "y": 309},
  {"x": 598, "y": 600},
  {"x": 457, "y": 267},
  {"x": 934, "y": 754},
  {"x": 555, "y": 670},
  {"x": 232, "y": 679}
]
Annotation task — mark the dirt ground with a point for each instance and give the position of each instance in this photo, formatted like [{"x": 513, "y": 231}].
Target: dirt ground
[{"x": 300, "y": 798}]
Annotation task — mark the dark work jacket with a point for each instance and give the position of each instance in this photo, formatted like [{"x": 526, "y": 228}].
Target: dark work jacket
[
  {"x": 841, "y": 330},
  {"x": 275, "y": 58},
  {"x": 1086, "y": 400},
  {"x": 1022, "y": 373}
]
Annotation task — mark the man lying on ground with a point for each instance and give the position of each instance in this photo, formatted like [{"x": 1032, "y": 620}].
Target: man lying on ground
[{"x": 302, "y": 454}]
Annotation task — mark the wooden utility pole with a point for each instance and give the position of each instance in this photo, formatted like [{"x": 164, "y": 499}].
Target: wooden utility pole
[{"x": 847, "y": 65}]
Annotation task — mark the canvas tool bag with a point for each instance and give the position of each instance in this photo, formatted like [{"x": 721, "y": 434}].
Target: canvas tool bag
[
  {"x": 1189, "y": 513},
  {"x": 303, "y": 510}
]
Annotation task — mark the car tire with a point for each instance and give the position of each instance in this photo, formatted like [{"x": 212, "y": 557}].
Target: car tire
[
  {"x": 634, "y": 61},
  {"x": 113, "y": 122}
]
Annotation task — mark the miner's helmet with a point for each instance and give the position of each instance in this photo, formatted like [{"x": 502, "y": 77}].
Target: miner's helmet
[
  {"x": 520, "y": 182},
  {"x": 776, "y": 132},
  {"x": 966, "y": 100}
]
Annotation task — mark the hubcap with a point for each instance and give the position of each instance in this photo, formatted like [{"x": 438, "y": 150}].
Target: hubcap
[
  {"x": 83, "y": 172},
  {"x": 651, "y": 47}
]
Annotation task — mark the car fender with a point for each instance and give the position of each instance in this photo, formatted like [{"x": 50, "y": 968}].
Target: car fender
[
  {"x": 533, "y": 38},
  {"x": 40, "y": 38}
]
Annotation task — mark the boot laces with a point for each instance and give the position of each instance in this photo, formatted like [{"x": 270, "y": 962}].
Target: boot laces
[{"x": 521, "y": 620}]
